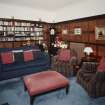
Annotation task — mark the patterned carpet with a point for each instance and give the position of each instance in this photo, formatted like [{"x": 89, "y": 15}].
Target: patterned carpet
[{"x": 12, "y": 91}]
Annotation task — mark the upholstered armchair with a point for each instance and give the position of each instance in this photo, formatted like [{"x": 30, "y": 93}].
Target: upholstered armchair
[
  {"x": 65, "y": 61},
  {"x": 91, "y": 77}
]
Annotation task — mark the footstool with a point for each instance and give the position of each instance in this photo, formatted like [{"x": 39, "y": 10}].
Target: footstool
[{"x": 44, "y": 82}]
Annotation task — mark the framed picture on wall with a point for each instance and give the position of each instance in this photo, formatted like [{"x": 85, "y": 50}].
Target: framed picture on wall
[
  {"x": 100, "y": 33},
  {"x": 77, "y": 31},
  {"x": 64, "y": 31}
]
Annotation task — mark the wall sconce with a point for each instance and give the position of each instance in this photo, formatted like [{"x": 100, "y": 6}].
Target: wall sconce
[
  {"x": 52, "y": 31},
  {"x": 88, "y": 50}
]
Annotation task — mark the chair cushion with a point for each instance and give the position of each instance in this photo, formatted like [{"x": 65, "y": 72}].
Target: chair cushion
[
  {"x": 7, "y": 57},
  {"x": 28, "y": 55},
  {"x": 64, "y": 55},
  {"x": 101, "y": 66}
]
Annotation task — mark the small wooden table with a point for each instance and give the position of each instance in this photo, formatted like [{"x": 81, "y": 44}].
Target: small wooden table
[
  {"x": 87, "y": 59},
  {"x": 83, "y": 59}
]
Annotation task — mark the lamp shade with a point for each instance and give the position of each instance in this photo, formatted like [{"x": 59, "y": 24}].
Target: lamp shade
[{"x": 88, "y": 50}]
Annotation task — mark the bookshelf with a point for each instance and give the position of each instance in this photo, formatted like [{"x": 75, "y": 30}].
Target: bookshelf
[{"x": 16, "y": 30}]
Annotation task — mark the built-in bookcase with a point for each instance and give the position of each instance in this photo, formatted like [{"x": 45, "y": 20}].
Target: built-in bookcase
[{"x": 16, "y": 30}]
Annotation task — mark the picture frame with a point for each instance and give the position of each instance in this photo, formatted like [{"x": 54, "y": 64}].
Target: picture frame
[
  {"x": 100, "y": 33},
  {"x": 77, "y": 31},
  {"x": 64, "y": 31}
]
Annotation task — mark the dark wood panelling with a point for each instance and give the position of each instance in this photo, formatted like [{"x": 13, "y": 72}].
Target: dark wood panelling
[
  {"x": 83, "y": 19},
  {"x": 101, "y": 50},
  {"x": 91, "y": 29},
  {"x": 88, "y": 26},
  {"x": 100, "y": 22}
]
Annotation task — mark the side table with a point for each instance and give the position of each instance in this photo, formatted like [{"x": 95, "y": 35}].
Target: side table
[
  {"x": 87, "y": 59},
  {"x": 83, "y": 59}
]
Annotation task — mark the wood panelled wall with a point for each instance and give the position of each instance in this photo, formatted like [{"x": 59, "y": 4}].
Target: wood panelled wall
[{"x": 88, "y": 35}]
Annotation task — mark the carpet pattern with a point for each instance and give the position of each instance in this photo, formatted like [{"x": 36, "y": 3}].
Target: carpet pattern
[{"x": 12, "y": 91}]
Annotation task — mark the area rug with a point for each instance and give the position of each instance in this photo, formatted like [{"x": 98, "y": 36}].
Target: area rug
[{"x": 12, "y": 91}]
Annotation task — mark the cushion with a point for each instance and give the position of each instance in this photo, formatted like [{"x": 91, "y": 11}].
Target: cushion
[
  {"x": 28, "y": 55},
  {"x": 101, "y": 66},
  {"x": 64, "y": 55},
  {"x": 7, "y": 57}
]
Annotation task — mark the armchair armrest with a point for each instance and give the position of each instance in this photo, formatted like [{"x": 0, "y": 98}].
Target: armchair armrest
[{"x": 73, "y": 61}]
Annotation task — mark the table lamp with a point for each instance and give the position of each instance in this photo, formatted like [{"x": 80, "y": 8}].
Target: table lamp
[{"x": 88, "y": 51}]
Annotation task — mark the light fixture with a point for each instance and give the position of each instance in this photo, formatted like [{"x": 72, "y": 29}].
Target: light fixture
[
  {"x": 52, "y": 31},
  {"x": 88, "y": 50}
]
